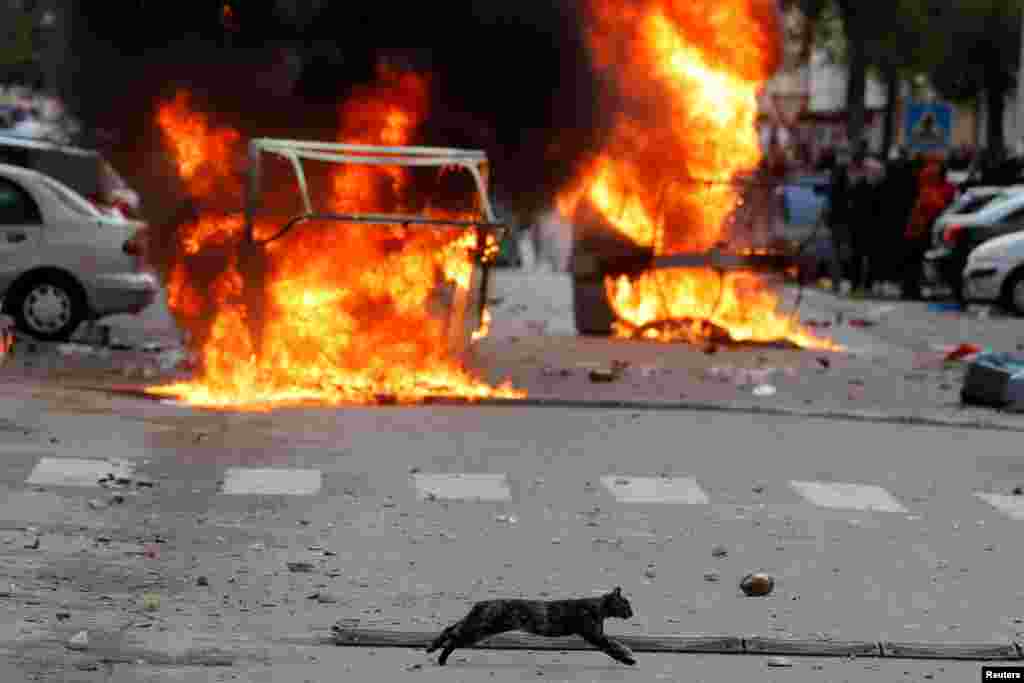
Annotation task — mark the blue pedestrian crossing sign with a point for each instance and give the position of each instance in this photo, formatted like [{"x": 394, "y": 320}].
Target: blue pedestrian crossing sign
[{"x": 929, "y": 126}]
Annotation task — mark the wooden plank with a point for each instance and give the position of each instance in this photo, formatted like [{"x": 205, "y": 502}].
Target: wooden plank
[
  {"x": 356, "y": 637},
  {"x": 812, "y": 648},
  {"x": 984, "y": 651}
]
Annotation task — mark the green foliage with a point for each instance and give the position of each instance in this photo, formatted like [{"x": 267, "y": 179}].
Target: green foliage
[
  {"x": 981, "y": 50},
  {"x": 19, "y": 45}
]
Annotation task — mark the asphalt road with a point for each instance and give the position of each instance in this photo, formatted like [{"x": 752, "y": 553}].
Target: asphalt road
[{"x": 406, "y": 516}]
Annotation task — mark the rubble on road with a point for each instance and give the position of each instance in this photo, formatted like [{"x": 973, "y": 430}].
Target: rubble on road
[
  {"x": 79, "y": 641},
  {"x": 995, "y": 380},
  {"x": 757, "y": 584}
]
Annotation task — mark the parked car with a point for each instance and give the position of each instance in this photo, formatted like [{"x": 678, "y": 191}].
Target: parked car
[
  {"x": 62, "y": 260},
  {"x": 805, "y": 199},
  {"x": 955, "y": 238},
  {"x": 970, "y": 202},
  {"x": 995, "y": 273},
  {"x": 84, "y": 170}
]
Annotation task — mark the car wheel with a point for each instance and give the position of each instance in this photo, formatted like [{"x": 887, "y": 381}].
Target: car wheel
[
  {"x": 49, "y": 307},
  {"x": 1013, "y": 292}
]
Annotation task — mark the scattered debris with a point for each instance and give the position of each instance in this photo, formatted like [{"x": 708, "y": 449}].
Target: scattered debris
[
  {"x": 824, "y": 362},
  {"x": 719, "y": 551},
  {"x": 79, "y": 641},
  {"x": 963, "y": 351},
  {"x": 1018, "y": 490},
  {"x": 862, "y": 322},
  {"x": 712, "y": 576},
  {"x": 764, "y": 390},
  {"x": 324, "y": 598},
  {"x": 33, "y": 544},
  {"x": 650, "y": 572},
  {"x": 95, "y": 504},
  {"x": 300, "y": 567},
  {"x": 150, "y": 602},
  {"x": 202, "y": 582},
  {"x": 779, "y": 661},
  {"x": 995, "y": 380},
  {"x": 63, "y": 615},
  {"x": 757, "y": 584},
  {"x": 603, "y": 375}
]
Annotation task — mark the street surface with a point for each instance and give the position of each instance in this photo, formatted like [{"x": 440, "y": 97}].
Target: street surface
[{"x": 177, "y": 565}]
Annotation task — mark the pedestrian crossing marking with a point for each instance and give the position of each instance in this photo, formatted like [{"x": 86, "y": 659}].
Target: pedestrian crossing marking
[
  {"x": 670, "y": 490},
  {"x": 462, "y": 486},
  {"x": 247, "y": 481},
  {"x": 1011, "y": 506},
  {"x": 846, "y": 496},
  {"x": 76, "y": 472}
]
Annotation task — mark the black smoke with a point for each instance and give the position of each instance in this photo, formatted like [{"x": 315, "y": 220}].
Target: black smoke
[{"x": 512, "y": 78}]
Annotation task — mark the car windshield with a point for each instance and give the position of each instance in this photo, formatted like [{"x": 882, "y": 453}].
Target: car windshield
[{"x": 70, "y": 199}]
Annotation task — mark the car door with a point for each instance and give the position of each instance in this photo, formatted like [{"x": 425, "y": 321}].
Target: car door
[
  {"x": 1010, "y": 223},
  {"x": 21, "y": 226}
]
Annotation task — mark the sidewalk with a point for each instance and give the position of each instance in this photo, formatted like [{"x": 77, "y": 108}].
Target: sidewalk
[{"x": 889, "y": 372}]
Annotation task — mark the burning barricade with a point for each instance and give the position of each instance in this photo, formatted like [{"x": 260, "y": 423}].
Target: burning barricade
[
  {"x": 674, "y": 215},
  {"x": 374, "y": 291}
]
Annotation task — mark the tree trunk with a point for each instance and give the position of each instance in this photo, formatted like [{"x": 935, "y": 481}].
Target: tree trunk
[
  {"x": 856, "y": 84},
  {"x": 995, "y": 101},
  {"x": 892, "y": 93}
]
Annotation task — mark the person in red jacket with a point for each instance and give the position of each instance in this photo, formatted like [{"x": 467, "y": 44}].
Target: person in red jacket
[{"x": 934, "y": 194}]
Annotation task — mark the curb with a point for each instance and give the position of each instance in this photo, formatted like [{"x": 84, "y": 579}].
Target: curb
[
  {"x": 678, "y": 406},
  {"x": 707, "y": 407},
  {"x": 701, "y": 644}
]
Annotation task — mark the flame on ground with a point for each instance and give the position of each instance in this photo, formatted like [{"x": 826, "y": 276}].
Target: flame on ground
[
  {"x": 353, "y": 312},
  {"x": 671, "y": 174}
]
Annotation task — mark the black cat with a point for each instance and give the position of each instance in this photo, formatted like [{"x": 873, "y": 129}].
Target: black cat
[{"x": 552, "y": 618}]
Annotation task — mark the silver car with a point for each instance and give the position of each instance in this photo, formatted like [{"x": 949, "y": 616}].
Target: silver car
[{"x": 62, "y": 260}]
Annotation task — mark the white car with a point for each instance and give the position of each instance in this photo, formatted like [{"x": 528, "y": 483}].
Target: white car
[
  {"x": 995, "y": 273},
  {"x": 62, "y": 260},
  {"x": 971, "y": 202}
]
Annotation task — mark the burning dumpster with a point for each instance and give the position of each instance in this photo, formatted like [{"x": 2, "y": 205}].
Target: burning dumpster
[{"x": 345, "y": 278}]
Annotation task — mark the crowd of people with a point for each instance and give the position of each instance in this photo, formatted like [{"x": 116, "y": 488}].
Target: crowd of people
[
  {"x": 880, "y": 215},
  {"x": 30, "y": 114}
]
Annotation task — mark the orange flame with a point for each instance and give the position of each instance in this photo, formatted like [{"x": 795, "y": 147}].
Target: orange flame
[
  {"x": 353, "y": 312},
  {"x": 689, "y": 73}
]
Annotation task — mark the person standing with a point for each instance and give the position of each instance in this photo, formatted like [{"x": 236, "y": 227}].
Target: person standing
[
  {"x": 935, "y": 193},
  {"x": 838, "y": 219},
  {"x": 864, "y": 177}
]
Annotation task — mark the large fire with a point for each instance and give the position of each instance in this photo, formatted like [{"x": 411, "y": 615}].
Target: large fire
[
  {"x": 683, "y": 145},
  {"x": 351, "y": 311}
]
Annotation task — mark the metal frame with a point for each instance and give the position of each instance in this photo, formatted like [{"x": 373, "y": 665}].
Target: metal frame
[{"x": 473, "y": 161}]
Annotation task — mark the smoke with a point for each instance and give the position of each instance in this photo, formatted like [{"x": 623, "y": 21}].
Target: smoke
[{"x": 514, "y": 79}]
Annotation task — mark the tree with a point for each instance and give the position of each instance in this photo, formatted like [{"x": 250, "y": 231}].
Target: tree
[
  {"x": 849, "y": 31},
  {"x": 981, "y": 56}
]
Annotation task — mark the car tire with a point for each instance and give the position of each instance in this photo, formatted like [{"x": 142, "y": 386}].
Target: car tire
[
  {"x": 48, "y": 306},
  {"x": 1012, "y": 296}
]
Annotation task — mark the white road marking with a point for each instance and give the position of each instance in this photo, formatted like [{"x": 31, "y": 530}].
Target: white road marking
[
  {"x": 673, "y": 490},
  {"x": 844, "y": 496},
  {"x": 75, "y": 472},
  {"x": 462, "y": 486},
  {"x": 1011, "y": 506},
  {"x": 247, "y": 481}
]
